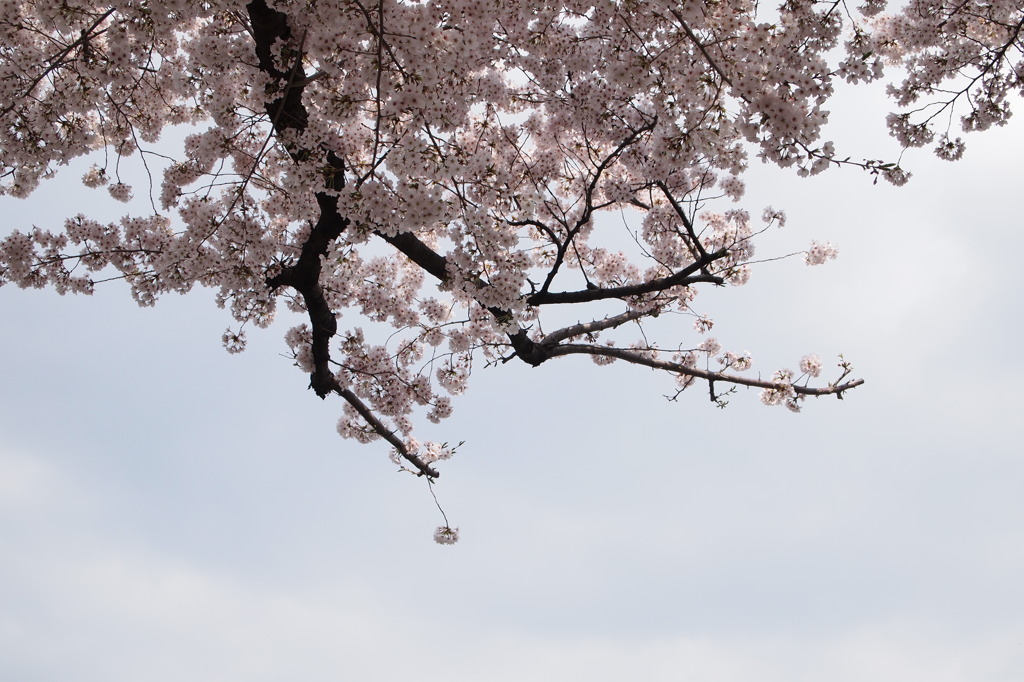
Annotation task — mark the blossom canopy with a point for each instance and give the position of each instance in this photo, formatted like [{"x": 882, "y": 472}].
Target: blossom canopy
[{"x": 435, "y": 171}]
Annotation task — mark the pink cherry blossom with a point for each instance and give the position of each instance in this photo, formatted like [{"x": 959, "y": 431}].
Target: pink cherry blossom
[
  {"x": 429, "y": 183},
  {"x": 445, "y": 535}
]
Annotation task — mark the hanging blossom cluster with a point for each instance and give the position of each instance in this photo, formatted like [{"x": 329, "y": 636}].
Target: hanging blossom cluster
[
  {"x": 422, "y": 182},
  {"x": 445, "y": 535}
]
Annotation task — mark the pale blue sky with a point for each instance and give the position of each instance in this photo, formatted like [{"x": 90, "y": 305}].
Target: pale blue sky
[{"x": 170, "y": 512}]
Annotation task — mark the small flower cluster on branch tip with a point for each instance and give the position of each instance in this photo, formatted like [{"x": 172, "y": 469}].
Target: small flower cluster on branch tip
[
  {"x": 784, "y": 392},
  {"x": 444, "y": 535},
  {"x": 820, "y": 253},
  {"x": 428, "y": 453},
  {"x": 234, "y": 342}
]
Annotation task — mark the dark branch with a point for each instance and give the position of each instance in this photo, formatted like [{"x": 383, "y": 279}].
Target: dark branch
[
  {"x": 694, "y": 243},
  {"x": 288, "y": 116},
  {"x": 588, "y": 195},
  {"x": 684, "y": 277},
  {"x": 637, "y": 358},
  {"x": 388, "y": 435},
  {"x": 560, "y": 335},
  {"x": 419, "y": 253}
]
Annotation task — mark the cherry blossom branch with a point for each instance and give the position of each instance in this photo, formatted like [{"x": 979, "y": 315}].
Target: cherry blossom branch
[
  {"x": 588, "y": 210},
  {"x": 530, "y": 351},
  {"x": 376, "y": 27},
  {"x": 682, "y": 278},
  {"x": 560, "y": 335},
  {"x": 387, "y": 434},
  {"x": 694, "y": 244},
  {"x": 639, "y": 358},
  {"x": 700, "y": 46},
  {"x": 419, "y": 253},
  {"x": 288, "y": 113},
  {"x": 56, "y": 61}
]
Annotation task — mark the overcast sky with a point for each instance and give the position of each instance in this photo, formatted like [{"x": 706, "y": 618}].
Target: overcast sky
[{"x": 169, "y": 512}]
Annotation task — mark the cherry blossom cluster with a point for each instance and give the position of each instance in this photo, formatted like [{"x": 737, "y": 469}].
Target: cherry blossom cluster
[
  {"x": 959, "y": 58},
  {"x": 445, "y": 535},
  {"x": 820, "y": 253},
  {"x": 427, "y": 183}
]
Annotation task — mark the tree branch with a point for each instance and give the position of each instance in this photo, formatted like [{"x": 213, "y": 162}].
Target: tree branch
[
  {"x": 677, "y": 368},
  {"x": 57, "y": 61},
  {"x": 419, "y": 253},
  {"x": 367, "y": 414},
  {"x": 589, "y": 199},
  {"x": 560, "y": 335},
  {"x": 700, "y": 46},
  {"x": 287, "y": 114},
  {"x": 682, "y": 278},
  {"x": 695, "y": 245}
]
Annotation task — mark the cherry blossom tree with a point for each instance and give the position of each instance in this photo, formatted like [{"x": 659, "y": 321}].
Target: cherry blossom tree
[{"x": 424, "y": 182}]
